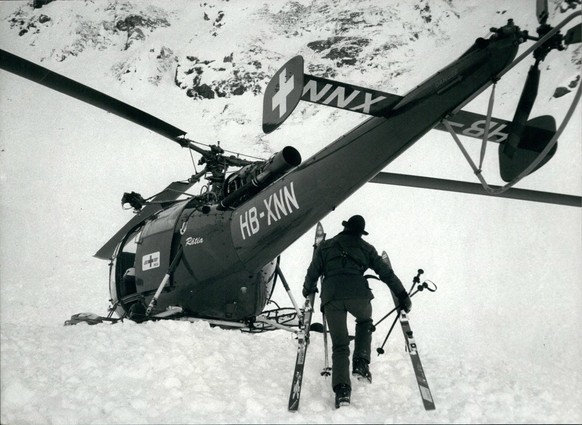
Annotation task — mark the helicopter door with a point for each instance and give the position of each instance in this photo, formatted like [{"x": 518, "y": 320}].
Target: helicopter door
[
  {"x": 155, "y": 246},
  {"x": 142, "y": 259},
  {"x": 122, "y": 285}
]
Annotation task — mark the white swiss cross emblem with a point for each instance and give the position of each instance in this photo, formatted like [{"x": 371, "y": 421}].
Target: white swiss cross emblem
[
  {"x": 286, "y": 86},
  {"x": 150, "y": 261}
]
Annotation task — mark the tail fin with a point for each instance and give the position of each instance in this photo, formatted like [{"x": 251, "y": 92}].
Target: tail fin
[
  {"x": 282, "y": 94},
  {"x": 537, "y": 134}
]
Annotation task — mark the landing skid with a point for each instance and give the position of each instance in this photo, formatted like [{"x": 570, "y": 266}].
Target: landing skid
[
  {"x": 286, "y": 318},
  {"x": 268, "y": 321}
]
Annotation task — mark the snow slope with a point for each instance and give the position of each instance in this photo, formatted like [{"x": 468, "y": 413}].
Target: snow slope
[{"x": 499, "y": 340}]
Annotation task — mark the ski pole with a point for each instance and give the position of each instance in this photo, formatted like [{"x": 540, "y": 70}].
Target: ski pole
[
  {"x": 421, "y": 287},
  {"x": 326, "y": 369},
  {"x": 415, "y": 280},
  {"x": 393, "y": 310},
  {"x": 381, "y": 349}
]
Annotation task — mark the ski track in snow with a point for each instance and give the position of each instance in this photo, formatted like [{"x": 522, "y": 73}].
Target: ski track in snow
[
  {"x": 499, "y": 340},
  {"x": 179, "y": 372}
]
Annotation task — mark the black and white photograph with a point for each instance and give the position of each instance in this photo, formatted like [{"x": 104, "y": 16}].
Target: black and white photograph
[{"x": 290, "y": 211}]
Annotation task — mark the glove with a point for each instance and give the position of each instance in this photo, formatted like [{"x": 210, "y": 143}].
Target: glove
[
  {"x": 306, "y": 292},
  {"x": 404, "y": 302}
]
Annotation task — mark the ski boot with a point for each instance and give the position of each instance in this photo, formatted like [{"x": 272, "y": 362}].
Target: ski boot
[
  {"x": 361, "y": 370},
  {"x": 342, "y": 395}
]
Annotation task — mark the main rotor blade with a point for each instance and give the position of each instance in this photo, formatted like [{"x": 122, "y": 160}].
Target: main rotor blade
[
  {"x": 26, "y": 69},
  {"x": 475, "y": 189}
]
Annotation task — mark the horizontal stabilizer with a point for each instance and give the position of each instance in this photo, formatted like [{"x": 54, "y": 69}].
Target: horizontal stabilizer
[
  {"x": 471, "y": 124},
  {"x": 290, "y": 84},
  {"x": 347, "y": 96}
]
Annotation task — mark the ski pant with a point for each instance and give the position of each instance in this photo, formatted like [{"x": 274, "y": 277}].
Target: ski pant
[{"x": 336, "y": 317}]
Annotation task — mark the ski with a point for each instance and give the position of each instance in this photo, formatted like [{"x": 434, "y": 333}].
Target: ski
[
  {"x": 303, "y": 336},
  {"x": 89, "y": 318},
  {"x": 412, "y": 349}
]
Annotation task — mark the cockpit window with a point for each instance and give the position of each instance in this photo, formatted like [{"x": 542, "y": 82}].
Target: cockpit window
[{"x": 126, "y": 265}]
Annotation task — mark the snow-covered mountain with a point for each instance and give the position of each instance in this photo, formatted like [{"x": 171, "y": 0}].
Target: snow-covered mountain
[{"x": 499, "y": 339}]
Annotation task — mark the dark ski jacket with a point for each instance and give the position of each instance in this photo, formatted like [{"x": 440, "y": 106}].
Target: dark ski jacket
[{"x": 342, "y": 261}]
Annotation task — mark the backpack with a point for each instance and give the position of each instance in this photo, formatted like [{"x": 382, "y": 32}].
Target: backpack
[{"x": 349, "y": 263}]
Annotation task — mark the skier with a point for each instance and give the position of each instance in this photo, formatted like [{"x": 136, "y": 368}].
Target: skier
[{"x": 342, "y": 261}]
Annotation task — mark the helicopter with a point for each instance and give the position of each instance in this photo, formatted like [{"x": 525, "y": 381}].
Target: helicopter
[{"x": 215, "y": 256}]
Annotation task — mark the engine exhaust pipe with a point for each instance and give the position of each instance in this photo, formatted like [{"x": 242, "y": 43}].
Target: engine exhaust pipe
[{"x": 274, "y": 168}]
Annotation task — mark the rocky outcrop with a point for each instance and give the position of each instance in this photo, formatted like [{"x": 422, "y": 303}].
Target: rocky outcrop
[{"x": 209, "y": 79}]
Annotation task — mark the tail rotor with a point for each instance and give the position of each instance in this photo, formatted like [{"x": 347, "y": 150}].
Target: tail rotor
[{"x": 522, "y": 147}]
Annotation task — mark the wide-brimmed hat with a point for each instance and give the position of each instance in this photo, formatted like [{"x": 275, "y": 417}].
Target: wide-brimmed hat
[{"x": 356, "y": 224}]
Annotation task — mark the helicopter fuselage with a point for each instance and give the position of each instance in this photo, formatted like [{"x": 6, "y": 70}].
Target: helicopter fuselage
[{"x": 228, "y": 260}]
